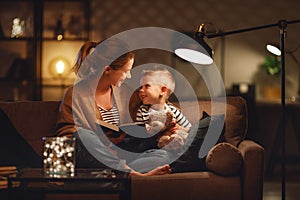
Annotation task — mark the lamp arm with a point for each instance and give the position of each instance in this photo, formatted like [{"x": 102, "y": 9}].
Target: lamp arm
[
  {"x": 240, "y": 31},
  {"x": 282, "y": 24},
  {"x": 279, "y": 23}
]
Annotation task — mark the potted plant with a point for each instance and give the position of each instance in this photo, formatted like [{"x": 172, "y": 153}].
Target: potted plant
[
  {"x": 272, "y": 65},
  {"x": 268, "y": 78}
]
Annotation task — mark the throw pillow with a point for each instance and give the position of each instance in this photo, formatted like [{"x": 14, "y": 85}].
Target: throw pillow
[
  {"x": 213, "y": 127},
  {"x": 190, "y": 160},
  {"x": 224, "y": 159}
]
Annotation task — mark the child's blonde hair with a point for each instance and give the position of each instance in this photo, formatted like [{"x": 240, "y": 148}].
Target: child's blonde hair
[{"x": 161, "y": 76}]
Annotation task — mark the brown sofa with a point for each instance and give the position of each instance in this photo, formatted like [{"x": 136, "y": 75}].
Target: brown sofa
[{"x": 235, "y": 166}]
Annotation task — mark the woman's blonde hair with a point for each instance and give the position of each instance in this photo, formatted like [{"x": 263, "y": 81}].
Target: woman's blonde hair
[{"x": 112, "y": 47}]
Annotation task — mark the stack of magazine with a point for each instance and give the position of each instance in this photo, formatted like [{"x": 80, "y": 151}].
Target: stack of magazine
[{"x": 6, "y": 171}]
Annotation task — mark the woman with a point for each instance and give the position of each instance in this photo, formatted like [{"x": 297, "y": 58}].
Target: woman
[{"x": 94, "y": 97}]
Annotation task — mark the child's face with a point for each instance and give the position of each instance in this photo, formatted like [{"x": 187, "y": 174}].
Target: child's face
[{"x": 151, "y": 92}]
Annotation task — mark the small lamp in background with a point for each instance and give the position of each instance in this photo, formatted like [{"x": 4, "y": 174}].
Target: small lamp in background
[
  {"x": 59, "y": 30},
  {"x": 18, "y": 28},
  {"x": 273, "y": 49},
  {"x": 59, "y": 68}
]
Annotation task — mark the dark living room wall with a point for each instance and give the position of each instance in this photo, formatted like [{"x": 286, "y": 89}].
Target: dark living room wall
[{"x": 110, "y": 17}]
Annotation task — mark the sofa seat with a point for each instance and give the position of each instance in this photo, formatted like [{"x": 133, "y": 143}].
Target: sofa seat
[{"x": 187, "y": 185}]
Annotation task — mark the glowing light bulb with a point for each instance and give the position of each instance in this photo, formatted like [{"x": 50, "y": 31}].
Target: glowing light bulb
[{"x": 60, "y": 67}]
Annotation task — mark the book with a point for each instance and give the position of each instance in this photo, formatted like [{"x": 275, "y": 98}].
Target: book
[
  {"x": 4, "y": 183},
  {"x": 5, "y": 170},
  {"x": 8, "y": 168},
  {"x": 134, "y": 129}
]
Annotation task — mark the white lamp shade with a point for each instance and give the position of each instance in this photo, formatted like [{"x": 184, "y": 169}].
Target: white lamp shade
[
  {"x": 194, "y": 56},
  {"x": 273, "y": 49}
]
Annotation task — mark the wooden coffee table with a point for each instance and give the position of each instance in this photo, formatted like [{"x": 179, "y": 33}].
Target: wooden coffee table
[{"x": 83, "y": 181}]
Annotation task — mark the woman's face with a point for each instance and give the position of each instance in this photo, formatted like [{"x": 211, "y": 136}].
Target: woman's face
[{"x": 118, "y": 76}]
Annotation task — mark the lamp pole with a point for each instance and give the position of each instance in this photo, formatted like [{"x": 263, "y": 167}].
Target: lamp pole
[{"x": 282, "y": 24}]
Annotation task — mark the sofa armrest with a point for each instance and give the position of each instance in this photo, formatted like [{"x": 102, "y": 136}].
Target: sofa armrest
[
  {"x": 224, "y": 159},
  {"x": 252, "y": 174}
]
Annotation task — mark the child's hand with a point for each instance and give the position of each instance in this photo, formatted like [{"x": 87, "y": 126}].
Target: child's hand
[
  {"x": 172, "y": 142},
  {"x": 163, "y": 141},
  {"x": 172, "y": 128},
  {"x": 176, "y": 142},
  {"x": 155, "y": 127},
  {"x": 167, "y": 135}
]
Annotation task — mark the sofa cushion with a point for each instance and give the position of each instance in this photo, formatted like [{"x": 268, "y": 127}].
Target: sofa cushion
[
  {"x": 213, "y": 129},
  {"x": 236, "y": 121},
  {"x": 32, "y": 119},
  {"x": 202, "y": 137},
  {"x": 224, "y": 159}
]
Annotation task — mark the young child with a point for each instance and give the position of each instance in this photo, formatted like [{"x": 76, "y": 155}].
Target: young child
[{"x": 157, "y": 85}]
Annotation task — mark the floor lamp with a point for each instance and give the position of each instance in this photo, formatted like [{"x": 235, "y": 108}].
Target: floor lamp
[{"x": 201, "y": 56}]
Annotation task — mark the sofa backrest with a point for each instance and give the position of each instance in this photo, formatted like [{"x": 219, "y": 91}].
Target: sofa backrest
[
  {"x": 36, "y": 119},
  {"x": 32, "y": 119},
  {"x": 236, "y": 121}
]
